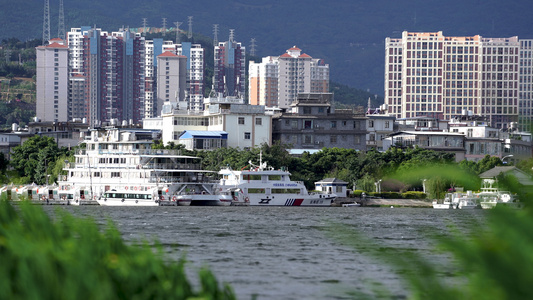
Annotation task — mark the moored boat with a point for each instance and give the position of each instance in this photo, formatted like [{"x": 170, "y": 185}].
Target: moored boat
[{"x": 260, "y": 185}]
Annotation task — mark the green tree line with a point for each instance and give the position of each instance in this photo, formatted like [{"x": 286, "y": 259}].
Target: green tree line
[{"x": 399, "y": 169}]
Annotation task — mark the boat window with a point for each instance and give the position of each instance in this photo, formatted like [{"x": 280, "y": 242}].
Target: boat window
[
  {"x": 251, "y": 177},
  {"x": 285, "y": 191},
  {"x": 256, "y": 191},
  {"x": 274, "y": 177}
]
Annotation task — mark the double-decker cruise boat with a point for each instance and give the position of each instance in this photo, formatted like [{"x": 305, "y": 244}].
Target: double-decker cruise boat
[
  {"x": 264, "y": 186},
  {"x": 120, "y": 164}
]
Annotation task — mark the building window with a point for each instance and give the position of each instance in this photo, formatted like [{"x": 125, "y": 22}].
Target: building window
[
  {"x": 333, "y": 139},
  {"x": 355, "y": 124},
  {"x": 387, "y": 124},
  {"x": 241, "y": 120},
  {"x": 307, "y": 110},
  {"x": 333, "y": 124},
  {"x": 308, "y": 124},
  {"x": 258, "y": 121},
  {"x": 371, "y": 123},
  {"x": 247, "y": 135}
]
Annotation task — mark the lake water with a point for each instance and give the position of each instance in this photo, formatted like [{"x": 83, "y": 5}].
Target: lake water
[{"x": 285, "y": 252}]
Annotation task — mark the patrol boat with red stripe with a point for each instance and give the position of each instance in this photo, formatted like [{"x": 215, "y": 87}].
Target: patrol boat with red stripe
[{"x": 260, "y": 185}]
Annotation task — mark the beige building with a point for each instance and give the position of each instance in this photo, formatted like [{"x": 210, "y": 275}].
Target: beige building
[
  {"x": 277, "y": 81},
  {"x": 427, "y": 73},
  {"x": 171, "y": 79},
  {"x": 52, "y": 82}
]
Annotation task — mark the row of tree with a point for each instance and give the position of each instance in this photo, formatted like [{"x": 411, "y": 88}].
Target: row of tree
[{"x": 398, "y": 169}]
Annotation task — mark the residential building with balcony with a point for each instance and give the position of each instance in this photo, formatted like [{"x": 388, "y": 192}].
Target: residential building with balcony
[
  {"x": 427, "y": 73},
  {"x": 314, "y": 124},
  {"x": 277, "y": 81},
  {"x": 52, "y": 83},
  {"x": 229, "y": 69}
]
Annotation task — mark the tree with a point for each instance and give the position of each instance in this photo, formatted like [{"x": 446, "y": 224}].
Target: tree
[{"x": 35, "y": 158}]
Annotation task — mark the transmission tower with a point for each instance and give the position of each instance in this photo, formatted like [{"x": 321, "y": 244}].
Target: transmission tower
[
  {"x": 252, "y": 47},
  {"x": 144, "y": 26},
  {"x": 61, "y": 26},
  {"x": 215, "y": 34},
  {"x": 231, "y": 35},
  {"x": 189, "y": 34},
  {"x": 178, "y": 41},
  {"x": 164, "y": 26},
  {"x": 46, "y": 22}
]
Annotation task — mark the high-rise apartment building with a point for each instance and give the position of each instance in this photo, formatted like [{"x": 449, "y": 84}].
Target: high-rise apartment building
[
  {"x": 525, "y": 87},
  {"x": 112, "y": 66},
  {"x": 431, "y": 74},
  {"x": 277, "y": 81},
  {"x": 171, "y": 78},
  {"x": 52, "y": 82},
  {"x": 230, "y": 68},
  {"x": 194, "y": 90}
]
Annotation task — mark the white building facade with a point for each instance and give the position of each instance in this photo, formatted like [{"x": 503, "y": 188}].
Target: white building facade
[{"x": 52, "y": 82}]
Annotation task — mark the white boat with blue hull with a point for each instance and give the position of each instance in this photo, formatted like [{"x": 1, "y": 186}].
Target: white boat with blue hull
[{"x": 264, "y": 186}]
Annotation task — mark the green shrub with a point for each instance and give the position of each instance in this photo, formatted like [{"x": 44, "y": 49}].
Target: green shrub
[
  {"x": 414, "y": 195},
  {"x": 72, "y": 258},
  {"x": 357, "y": 193}
]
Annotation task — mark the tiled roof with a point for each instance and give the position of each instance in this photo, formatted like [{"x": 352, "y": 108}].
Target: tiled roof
[
  {"x": 167, "y": 54},
  {"x": 286, "y": 55},
  {"x": 304, "y": 56},
  {"x": 295, "y": 48},
  {"x": 56, "y": 45}
]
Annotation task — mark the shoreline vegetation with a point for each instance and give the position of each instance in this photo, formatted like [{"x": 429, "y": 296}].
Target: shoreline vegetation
[{"x": 67, "y": 257}]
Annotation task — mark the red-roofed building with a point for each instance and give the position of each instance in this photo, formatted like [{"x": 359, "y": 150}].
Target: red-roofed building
[{"x": 277, "y": 81}]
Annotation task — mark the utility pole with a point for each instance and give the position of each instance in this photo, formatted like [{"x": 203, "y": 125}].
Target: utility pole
[
  {"x": 215, "y": 34},
  {"x": 46, "y": 22},
  {"x": 252, "y": 47},
  {"x": 61, "y": 27},
  {"x": 144, "y": 26},
  {"x": 189, "y": 34},
  {"x": 177, "y": 24}
]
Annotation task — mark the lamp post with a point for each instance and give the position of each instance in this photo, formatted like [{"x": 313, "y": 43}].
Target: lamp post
[{"x": 503, "y": 158}]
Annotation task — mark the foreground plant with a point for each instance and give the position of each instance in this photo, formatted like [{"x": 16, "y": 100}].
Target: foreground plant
[{"x": 71, "y": 258}]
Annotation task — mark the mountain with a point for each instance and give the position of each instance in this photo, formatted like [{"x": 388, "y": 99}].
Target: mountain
[{"x": 349, "y": 35}]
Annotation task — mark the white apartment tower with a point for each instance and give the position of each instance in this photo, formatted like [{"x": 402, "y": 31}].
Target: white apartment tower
[
  {"x": 194, "y": 90},
  {"x": 277, "y": 81},
  {"x": 429, "y": 74},
  {"x": 52, "y": 82},
  {"x": 525, "y": 87},
  {"x": 171, "y": 79}
]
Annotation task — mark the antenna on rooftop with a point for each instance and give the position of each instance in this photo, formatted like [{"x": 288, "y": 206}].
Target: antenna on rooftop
[
  {"x": 215, "y": 34},
  {"x": 177, "y": 24},
  {"x": 46, "y": 22},
  {"x": 189, "y": 34},
  {"x": 61, "y": 26},
  {"x": 164, "y": 26}
]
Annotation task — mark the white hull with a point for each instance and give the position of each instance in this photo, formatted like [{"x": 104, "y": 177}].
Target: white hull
[
  {"x": 127, "y": 202},
  {"x": 291, "y": 200},
  {"x": 445, "y": 205}
]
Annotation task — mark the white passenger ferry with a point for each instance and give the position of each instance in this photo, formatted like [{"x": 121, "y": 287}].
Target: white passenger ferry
[
  {"x": 263, "y": 186},
  {"x": 120, "y": 164}
]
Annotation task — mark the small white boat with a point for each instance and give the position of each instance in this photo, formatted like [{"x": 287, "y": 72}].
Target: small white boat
[
  {"x": 355, "y": 204},
  {"x": 123, "y": 197},
  {"x": 445, "y": 204}
]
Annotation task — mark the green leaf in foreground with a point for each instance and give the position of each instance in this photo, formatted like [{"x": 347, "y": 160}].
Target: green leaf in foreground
[{"x": 71, "y": 258}]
